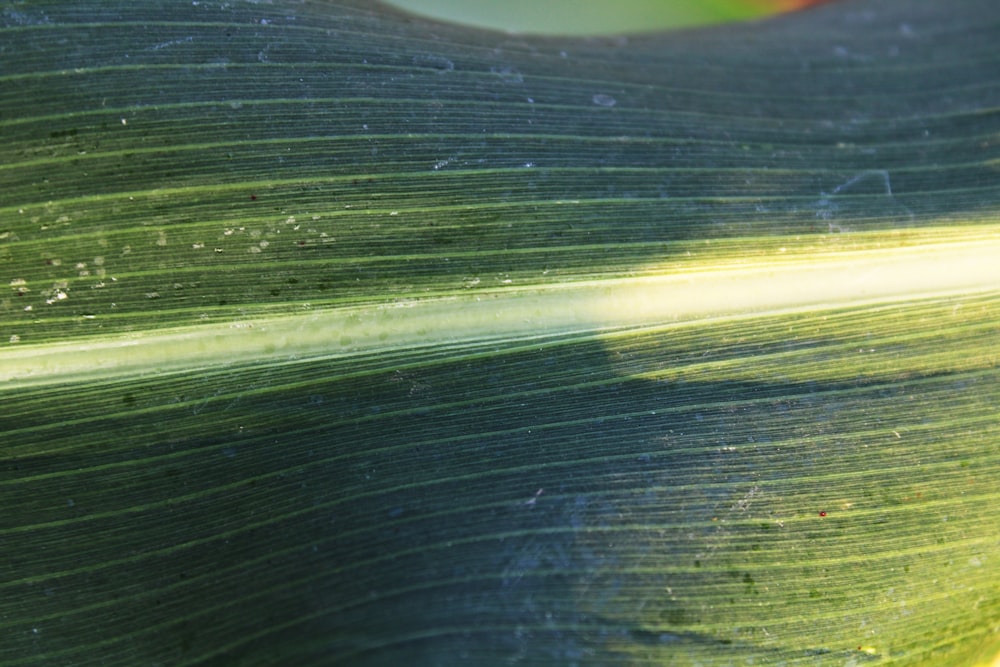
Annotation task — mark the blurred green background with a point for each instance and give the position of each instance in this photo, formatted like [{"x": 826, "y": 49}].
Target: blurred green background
[{"x": 594, "y": 16}]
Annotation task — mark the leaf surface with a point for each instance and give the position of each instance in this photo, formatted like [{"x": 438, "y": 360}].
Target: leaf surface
[{"x": 335, "y": 336}]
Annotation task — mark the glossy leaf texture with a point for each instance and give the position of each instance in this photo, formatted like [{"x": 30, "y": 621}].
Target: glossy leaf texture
[{"x": 335, "y": 336}]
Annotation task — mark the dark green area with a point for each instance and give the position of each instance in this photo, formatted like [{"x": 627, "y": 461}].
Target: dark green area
[
  {"x": 807, "y": 488},
  {"x": 554, "y": 501},
  {"x": 218, "y": 162}
]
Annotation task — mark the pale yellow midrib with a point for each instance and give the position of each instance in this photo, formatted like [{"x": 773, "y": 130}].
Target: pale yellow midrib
[{"x": 865, "y": 277}]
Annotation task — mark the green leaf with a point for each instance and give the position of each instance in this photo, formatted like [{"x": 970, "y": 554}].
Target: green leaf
[
  {"x": 563, "y": 17},
  {"x": 335, "y": 336}
]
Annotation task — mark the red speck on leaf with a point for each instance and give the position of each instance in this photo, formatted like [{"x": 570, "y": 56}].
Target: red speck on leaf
[
  {"x": 822, "y": 513},
  {"x": 253, "y": 197}
]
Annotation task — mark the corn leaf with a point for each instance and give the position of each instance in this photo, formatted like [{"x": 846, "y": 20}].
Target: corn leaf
[{"x": 333, "y": 335}]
